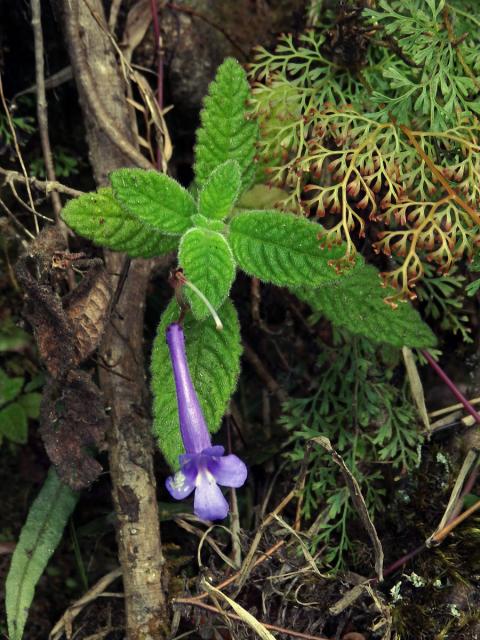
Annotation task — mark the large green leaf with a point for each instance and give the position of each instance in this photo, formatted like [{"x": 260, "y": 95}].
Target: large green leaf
[
  {"x": 39, "y": 538},
  {"x": 226, "y": 133},
  {"x": 208, "y": 263},
  {"x": 99, "y": 217},
  {"x": 220, "y": 191},
  {"x": 14, "y": 423},
  {"x": 358, "y": 304},
  {"x": 214, "y": 362},
  {"x": 155, "y": 199},
  {"x": 282, "y": 248}
]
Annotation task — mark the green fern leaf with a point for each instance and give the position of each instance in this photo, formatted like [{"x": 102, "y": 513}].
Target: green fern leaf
[
  {"x": 155, "y": 199},
  {"x": 358, "y": 304},
  {"x": 220, "y": 191},
  {"x": 100, "y": 218},
  {"x": 208, "y": 263},
  {"x": 214, "y": 361},
  {"x": 226, "y": 133},
  {"x": 39, "y": 538},
  {"x": 282, "y": 248}
]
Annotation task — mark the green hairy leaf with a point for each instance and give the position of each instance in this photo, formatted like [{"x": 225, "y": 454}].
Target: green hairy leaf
[
  {"x": 39, "y": 538},
  {"x": 99, "y": 217},
  {"x": 214, "y": 361},
  {"x": 207, "y": 223},
  {"x": 208, "y": 263},
  {"x": 358, "y": 304},
  {"x": 154, "y": 198},
  {"x": 220, "y": 191},
  {"x": 225, "y": 133},
  {"x": 282, "y": 248}
]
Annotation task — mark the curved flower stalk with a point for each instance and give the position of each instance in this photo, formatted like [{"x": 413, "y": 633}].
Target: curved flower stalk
[{"x": 203, "y": 467}]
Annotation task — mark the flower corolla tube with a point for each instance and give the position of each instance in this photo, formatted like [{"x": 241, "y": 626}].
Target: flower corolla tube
[{"x": 202, "y": 467}]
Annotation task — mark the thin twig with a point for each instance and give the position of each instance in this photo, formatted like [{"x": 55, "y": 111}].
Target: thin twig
[
  {"x": 15, "y": 221},
  {"x": 233, "y": 616},
  {"x": 441, "y": 535},
  {"x": 52, "y": 82},
  {"x": 19, "y": 153},
  {"x": 74, "y": 609},
  {"x": 265, "y": 555},
  {"x": 211, "y": 23},
  {"x": 27, "y": 206},
  {"x": 234, "y": 515},
  {"x": 41, "y": 185},
  {"x": 451, "y": 408},
  {"x": 248, "y": 563},
  {"x": 42, "y": 111},
  {"x": 264, "y": 374},
  {"x": 204, "y": 537}
]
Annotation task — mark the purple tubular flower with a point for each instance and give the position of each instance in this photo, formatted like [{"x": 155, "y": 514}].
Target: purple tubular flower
[{"x": 203, "y": 467}]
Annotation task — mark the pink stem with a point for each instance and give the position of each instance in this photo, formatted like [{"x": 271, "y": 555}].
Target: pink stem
[
  {"x": 452, "y": 386},
  {"x": 401, "y": 561}
]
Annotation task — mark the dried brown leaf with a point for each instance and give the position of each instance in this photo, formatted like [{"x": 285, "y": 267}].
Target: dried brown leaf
[
  {"x": 358, "y": 502},
  {"x": 87, "y": 310},
  {"x": 138, "y": 21},
  {"x": 67, "y": 330},
  {"x": 44, "y": 311}
]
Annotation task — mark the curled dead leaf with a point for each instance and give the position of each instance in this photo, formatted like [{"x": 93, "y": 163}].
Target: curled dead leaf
[
  {"x": 86, "y": 309},
  {"x": 67, "y": 329}
]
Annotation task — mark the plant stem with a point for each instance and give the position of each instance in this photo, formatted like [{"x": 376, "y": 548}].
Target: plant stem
[
  {"x": 42, "y": 113},
  {"x": 452, "y": 386},
  {"x": 204, "y": 299}
]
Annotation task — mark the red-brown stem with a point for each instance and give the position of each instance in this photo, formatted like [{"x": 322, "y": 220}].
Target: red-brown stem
[
  {"x": 401, "y": 561},
  {"x": 234, "y": 616},
  {"x": 452, "y": 386}
]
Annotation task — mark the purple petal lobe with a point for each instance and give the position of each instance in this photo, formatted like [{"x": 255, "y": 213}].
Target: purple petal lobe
[
  {"x": 182, "y": 483},
  {"x": 216, "y": 450},
  {"x": 193, "y": 428},
  {"x": 209, "y": 503},
  {"x": 229, "y": 471}
]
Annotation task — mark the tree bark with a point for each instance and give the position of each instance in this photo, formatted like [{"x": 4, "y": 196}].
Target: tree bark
[{"x": 102, "y": 93}]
